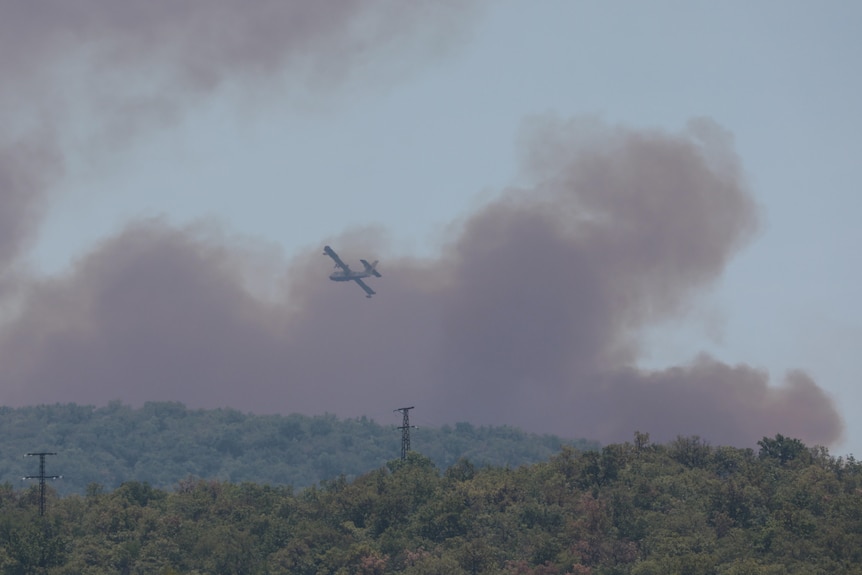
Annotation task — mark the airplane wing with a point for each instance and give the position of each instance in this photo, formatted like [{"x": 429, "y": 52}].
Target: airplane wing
[
  {"x": 371, "y": 268},
  {"x": 364, "y": 286},
  {"x": 328, "y": 251}
]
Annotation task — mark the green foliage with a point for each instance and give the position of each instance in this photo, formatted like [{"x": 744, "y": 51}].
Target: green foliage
[
  {"x": 628, "y": 509},
  {"x": 162, "y": 443},
  {"x": 782, "y": 449}
]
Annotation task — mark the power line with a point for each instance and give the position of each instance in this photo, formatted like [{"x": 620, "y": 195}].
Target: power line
[
  {"x": 41, "y": 477},
  {"x": 405, "y": 431}
]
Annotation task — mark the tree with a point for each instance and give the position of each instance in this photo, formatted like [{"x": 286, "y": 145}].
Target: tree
[{"x": 782, "y": 448}]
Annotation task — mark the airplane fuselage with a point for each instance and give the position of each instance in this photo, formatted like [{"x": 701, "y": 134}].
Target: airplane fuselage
[{"x": 342, "y": 277}]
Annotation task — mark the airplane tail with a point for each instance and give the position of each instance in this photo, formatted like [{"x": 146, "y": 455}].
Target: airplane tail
[{"x": 370, "y": 268}]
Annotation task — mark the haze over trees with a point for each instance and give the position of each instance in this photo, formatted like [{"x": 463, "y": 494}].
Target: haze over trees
[
  {"x": 162, "y": 443},
  {"x": 634, "y": 508}
]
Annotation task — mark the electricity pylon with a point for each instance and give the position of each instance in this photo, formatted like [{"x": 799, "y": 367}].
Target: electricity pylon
[
  {"x": 41, "y": 477},
  {"x": 405, "y": 431}
]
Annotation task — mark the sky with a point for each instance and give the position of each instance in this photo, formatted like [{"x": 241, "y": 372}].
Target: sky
[{"x": 592, "y": 217}]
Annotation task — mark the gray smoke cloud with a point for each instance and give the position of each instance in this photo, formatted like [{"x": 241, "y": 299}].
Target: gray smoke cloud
[
  {"x": 533, "y": 313},
  {"x": 98, "y": 72},
  {"x": 156, "y": 52},
  {"x": 27, "y": 167}
]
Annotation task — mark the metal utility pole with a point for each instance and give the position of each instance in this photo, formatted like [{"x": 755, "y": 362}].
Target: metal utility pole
[
  {"x": 405, "y": 431},
  {"x": 41, "y": 477}
]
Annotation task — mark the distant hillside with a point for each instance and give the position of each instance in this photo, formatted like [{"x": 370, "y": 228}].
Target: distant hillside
[
  {"x": 626, "y": 509},
  {"x": 162, "y": 443}
]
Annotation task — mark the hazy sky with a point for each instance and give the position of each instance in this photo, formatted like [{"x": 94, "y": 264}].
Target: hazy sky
[{"x": 452, "y": 141}]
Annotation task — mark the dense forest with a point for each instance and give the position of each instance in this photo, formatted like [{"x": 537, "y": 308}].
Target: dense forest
[
  {"x": 162, "y": 443},
  {"x": 634, "y": 508}
]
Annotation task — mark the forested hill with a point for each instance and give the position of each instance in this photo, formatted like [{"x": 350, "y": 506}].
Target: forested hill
[
  {"x": 627, "y": 509},
  {"x": 162, "y": 443}
]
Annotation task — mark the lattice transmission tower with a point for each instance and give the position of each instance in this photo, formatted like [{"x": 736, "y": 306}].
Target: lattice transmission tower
[
  {"x": 41, "y": 477},
  {"x": 405, "y": 431}
]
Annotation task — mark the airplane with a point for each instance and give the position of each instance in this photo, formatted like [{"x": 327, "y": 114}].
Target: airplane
[{"x": 346, "y": 275}]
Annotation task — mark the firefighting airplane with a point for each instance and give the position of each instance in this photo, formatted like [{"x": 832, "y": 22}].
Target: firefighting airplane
[{"x": 346, "y": 275}]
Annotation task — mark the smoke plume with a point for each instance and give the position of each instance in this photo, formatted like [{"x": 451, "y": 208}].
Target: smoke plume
[
  {"x": 100, "y": 72},
  {"x": 532, "y": 314}
]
